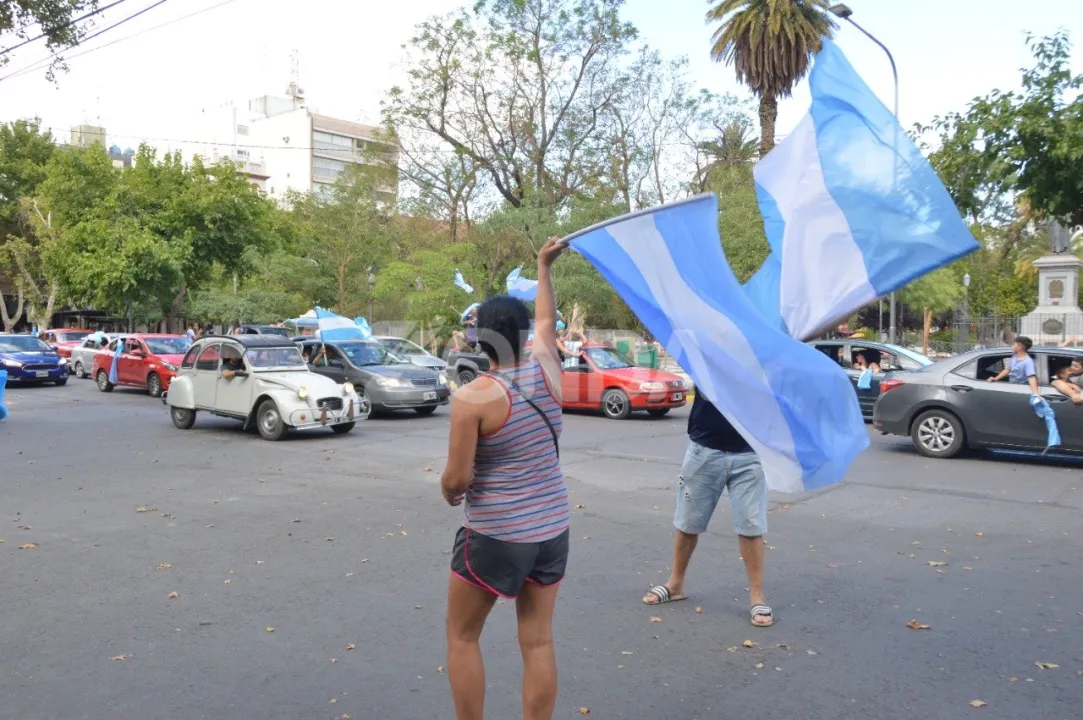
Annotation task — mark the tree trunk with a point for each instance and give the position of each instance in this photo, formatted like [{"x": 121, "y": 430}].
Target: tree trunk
[
  {"x": 925, "y": 332},
  {"x": 10, "y": 320},
  {"x": 768, "y": 115}
]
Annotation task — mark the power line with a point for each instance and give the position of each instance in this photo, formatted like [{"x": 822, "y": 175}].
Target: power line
[
  {"x": 89, "y": 37},
  {"x": 65, "y": 25}
]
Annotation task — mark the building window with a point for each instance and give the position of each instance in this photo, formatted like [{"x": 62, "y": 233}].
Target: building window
[
  {"x": 327, "y": 170},
  {"x": 327, "y": 141}
]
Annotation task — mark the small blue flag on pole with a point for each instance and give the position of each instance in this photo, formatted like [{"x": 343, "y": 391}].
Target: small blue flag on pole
[
  {"x": 460, "y": 283},
  {"x": 794, "y": 406},
  {"x": 852, "y": 209},
  {"x": 113, "y": 377},
  {"x": 521, "y": 287},
  {"x": 335, "y": 328}
]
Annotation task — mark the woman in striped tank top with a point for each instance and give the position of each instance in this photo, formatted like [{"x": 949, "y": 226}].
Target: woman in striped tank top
[{"x": 503, "y": 465}]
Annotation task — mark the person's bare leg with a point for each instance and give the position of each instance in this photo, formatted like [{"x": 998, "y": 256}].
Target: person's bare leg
[
  {"x": 752, "y": 552},
  {"x": 683, "y": 547},
  {"x": 467, "y": 608},
  {"x": 534, "y": 607}
]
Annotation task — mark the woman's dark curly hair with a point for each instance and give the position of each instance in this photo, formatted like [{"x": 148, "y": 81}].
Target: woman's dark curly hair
[{"x": 503, "y": 326}]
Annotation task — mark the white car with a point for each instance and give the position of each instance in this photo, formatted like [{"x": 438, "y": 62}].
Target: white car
[{"x": 260, "y": 379}]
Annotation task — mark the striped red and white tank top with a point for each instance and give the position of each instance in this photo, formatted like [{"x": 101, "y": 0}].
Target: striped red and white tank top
[{"x": 518, "y": 492}]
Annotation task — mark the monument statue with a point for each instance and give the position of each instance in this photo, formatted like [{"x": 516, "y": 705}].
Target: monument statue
[{"x": 1062, "y": 238}]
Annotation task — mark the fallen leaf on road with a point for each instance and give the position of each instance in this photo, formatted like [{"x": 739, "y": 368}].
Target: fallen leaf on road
[
  {"x": 770, "y": 547},
  {"x": 23, "y": 527},
  {"x": 269, "y": 629},
  {"x": 655, "y": 618},
  {"x": 163, "y": 566},
  {"x": 227, "y": 581},
  {"x": 1013, "y": 680},
  {"x": 173, "y": 595},
  {"x": 978, "y": 703},
  {"x": 778, "y": 669},
  {"x": 119, "y": 657},
  {"x": 699, "y": 610},
  {"x": 625, "y": 652},
  {"x": 402, "y": 533},
  {"x": 980, "y": 534},
  {"x": 584, "y": 710},
  {"x": 580, "y": 507},
  {"x": 208, "y": 526},
  {"x": 351, "y": 646},
  {"x": 417, "y": 607},
  {"x": 782, "y": 646},
  {"x": 28, "y": 546},
  {"x": 749, "y": 644},
  {"x": 334, "y": 660},
  {"x": 759, "y": 666},
  {"x": 915, "y": 625},
  {"x": 427, "y": 469},
  {"x": 967, "y": 568},
  {"x": 332, "y": 701},
  {"x": 935, "y": 563},
  {"x": 140, "y": 509},
  {"x": 295, "y": 520},
  {"x": 732, "y": 649},
  {"x": 811, "y": 652},
  {"x": 330, "y": 539},
  {"x": 832, "y": 565},
  {"x": 439, "y": 668},
  {"x": 1047, "y": 665}
]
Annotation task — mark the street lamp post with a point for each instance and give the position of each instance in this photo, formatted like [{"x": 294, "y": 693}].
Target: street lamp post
[
  {"x": 966, "y": 309},
  {"x": 844, "y": 12}
]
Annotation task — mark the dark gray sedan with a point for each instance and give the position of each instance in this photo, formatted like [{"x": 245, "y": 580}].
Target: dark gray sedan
[
  {"x": 886, "y": 357},
  {"x": 951, "y": 405},
  {"x": 388, "y": 381}
]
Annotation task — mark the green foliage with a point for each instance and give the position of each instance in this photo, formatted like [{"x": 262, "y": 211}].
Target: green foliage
[
  {"x": 27, "y": 19},
  {"x": 740, "y": 222},
  {"x": 24, "y": 151}
]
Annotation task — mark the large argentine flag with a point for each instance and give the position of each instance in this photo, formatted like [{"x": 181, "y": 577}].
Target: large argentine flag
[
  {"x": 335, "y": 328},
  {"x": 851, "y": 208},
  {"x": 521, "y": 287},
  {"x": 794, "y": 406}
]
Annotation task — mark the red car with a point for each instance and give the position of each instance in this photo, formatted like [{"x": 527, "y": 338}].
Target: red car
[
  {"x": 601, "y": 378},
  {"x": 64, "y": 339},
  {"x": 146, "y": 361}
]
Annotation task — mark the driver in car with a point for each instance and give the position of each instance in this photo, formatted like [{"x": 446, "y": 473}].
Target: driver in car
[{"x": 231, "y": 363}]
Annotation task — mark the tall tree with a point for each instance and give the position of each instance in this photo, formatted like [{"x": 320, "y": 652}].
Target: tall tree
[
  {"x": 58, "y": 22},
  {"x": 520, "y": 87},
  {"x": 769, "y": 43}
]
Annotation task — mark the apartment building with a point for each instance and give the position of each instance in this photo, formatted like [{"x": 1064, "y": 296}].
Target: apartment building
[{"x": 283, "y": 146}]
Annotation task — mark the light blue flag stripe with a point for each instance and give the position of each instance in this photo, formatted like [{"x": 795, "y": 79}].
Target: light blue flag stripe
[
  {"x": 461, "y": 283},
  {"x": 3, "y": 384},
  {"x": 852, "y": 210},
  {"x": 335, "y": 328},
  {"x": 113, "y": 377},
  {"x": 521, "y": 287},
  {"x": 794, "y": 406}
]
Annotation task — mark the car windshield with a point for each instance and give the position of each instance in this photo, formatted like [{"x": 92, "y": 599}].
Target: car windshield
[
  {"x": 71, "y": 335},
  {"x": 22, "y": 343},
  {"x": 607, "y": 359},
  {"x": 279, "y": 357},
  {"x": 369, "y": 353},
  {"x": 402, "y": 347},
  {"x": 272, "y": 330},
  {"x": 167, "y": 346}
]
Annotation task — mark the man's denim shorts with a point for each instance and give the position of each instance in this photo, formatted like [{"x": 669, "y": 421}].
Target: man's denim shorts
[{"x": 705, "y": 474}]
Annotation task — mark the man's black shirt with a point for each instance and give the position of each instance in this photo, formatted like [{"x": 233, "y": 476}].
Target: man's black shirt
[{"x": 709, "y": 428}]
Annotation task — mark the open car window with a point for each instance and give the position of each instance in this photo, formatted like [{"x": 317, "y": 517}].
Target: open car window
[
  {"x": 983, "y": 368},
  {"x": 1055, "y": 363},
  {"x": 832, "y": 351}
]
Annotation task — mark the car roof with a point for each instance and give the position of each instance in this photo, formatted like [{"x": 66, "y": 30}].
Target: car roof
[{"x": 252, "y": 341}]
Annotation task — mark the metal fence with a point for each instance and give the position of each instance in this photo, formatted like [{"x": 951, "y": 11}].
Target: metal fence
[{"x": 969, "y": 332}]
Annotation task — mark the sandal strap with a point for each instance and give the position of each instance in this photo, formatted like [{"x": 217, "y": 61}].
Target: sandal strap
[
  {"x": 661, "y": 592},
  {"x": 762, "y": 610}
]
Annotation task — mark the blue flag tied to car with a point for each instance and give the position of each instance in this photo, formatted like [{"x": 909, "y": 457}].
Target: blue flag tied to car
[
  {"x": 3, "y": 384},
  {"x": 113, "y": 378},
  {"x": 335, "y": 328},
  {"x": 794, "y": 405},
  {"x": 851, "y": 208},
  {"x": 460, "y": 283},
  {"x": 1044, "y": 410},
  {"x": 521, "y": 287}
]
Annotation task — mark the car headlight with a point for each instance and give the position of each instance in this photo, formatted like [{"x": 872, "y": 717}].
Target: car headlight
[
  {"x": 11, "y": 363},
  {"x": 302, "y": 392},
  {"x": 169, "y": 366},
  {"x": 62, "y": 361},
  {"x": 347, "y": 388},
  {"x": 652, "y": 387},
  {"x": 443, "y": 378},
  {"x": 389, "y": 382}
]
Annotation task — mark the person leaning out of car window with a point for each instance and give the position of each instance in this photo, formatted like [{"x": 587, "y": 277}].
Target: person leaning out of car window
[
  {"x": 232, "y": 365},
  {"x": 1020, "y": 369},
  {"x": 1063, "y": 381}
]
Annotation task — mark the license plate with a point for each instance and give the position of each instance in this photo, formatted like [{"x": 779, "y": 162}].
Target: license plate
[
  {"x": 677, "y": 397},
  {"x": 42, "y": 373},
  {"x": 428, "y": 396}
]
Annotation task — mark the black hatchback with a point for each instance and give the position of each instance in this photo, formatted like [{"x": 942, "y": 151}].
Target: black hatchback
[{"x": 389, "y": 382}]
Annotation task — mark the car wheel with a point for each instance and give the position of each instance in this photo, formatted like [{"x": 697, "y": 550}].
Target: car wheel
[
  {"x": 465, "y": 376},
  {"x": 658, "y": 412},
  {"x": 103, "y": 382},
  {"x": 428, "y": 410},
  {"x": 79, "y": 371},
  {"x": 183, "y": 418},
  {"x": 61, "y": 382},
  {"x": 938, "y": 434},
  {"x": 154, "y": 385},
  {"x": 616, "y": 405},
  {"x": 342, "y": 428},
  {"x": 269, "y": 421}
]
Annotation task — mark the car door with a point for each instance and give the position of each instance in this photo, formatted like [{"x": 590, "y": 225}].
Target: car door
[
  {"x": 233, "y": 396},
  {"x": 131, "y": 362},
  {"x": 332, "y": 365},
  {"x": 1069, "y": 416},
  {"x": 575, "y": 380},
  {"x": 994, "y": 413},
  {"x": 866, "y": 398},
  {"x": 205, "y": 378}
]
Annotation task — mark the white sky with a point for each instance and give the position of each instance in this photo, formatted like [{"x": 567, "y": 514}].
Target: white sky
[{"x": 947, "y": 51}]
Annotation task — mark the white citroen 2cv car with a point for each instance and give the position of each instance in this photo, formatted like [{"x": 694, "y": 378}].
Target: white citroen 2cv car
[{"x": 260, "y": 379}]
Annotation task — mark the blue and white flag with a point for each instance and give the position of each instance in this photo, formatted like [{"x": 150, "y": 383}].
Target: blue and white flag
[
  {"x": 794, "y": 405},
  {"x": 460, "y": 283},
  {"x": 851, "y": 208},
  {"x": 521, "y": 287},
  {"x": 363, "y": 325},
  {"x": 113, "y": 378},
  {"x": 335, "y": 328},
  {"x": 3, "y": 384},
  {"x": 1044, "y": 410}
]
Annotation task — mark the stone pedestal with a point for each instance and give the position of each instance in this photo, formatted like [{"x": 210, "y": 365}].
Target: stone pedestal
[{"x": 1058, "y": 316}]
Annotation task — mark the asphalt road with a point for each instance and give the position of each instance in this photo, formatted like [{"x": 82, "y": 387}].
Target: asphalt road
[{"x": 339, "y": 542}]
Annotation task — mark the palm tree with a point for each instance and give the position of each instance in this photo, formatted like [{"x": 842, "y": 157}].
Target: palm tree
[
  {"x": 732, "y": 148},
  {"x": 769, "y": 43}
]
